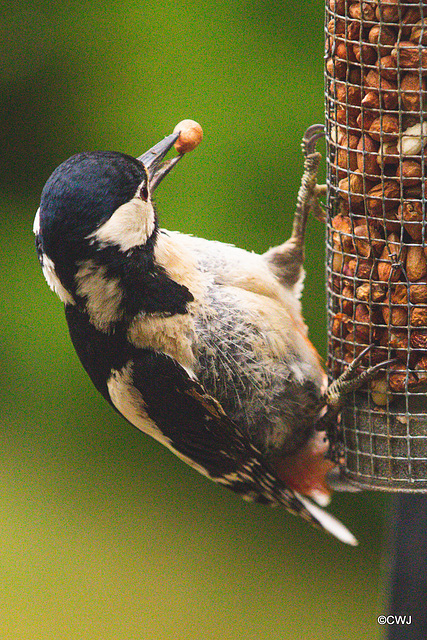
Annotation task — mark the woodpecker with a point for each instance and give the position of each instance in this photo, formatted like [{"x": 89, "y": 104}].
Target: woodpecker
[{"x": 199, "y": 344}]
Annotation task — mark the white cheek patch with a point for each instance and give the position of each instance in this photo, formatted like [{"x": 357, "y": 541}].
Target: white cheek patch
[
  {"x": 54, "y": 282},
  {"x": 48, "y": 269},
  {"x": 103, "y": 294},
  {"x": 129, "y": 226},
  {"x": 36, "y": 225}
]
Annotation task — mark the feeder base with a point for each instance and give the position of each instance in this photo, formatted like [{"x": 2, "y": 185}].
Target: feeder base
[{"x": 386, "y": 450}]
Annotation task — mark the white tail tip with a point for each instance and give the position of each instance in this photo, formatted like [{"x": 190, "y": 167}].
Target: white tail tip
[{"x": 328, "y": 522}]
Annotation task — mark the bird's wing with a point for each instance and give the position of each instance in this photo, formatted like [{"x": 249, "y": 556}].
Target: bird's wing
[{"x": 158, "y": 395}]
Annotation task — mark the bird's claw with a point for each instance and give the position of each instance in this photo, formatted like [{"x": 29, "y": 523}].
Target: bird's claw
[
  {"x": 334, "y": 398},
  {"x": 310, "y": 138},
  {"x": 308, "y": 144},
  {"x": 348, "y": 381}
]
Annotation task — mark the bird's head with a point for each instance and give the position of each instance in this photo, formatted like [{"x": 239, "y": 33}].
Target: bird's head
[{"x": 96, "y": 212}]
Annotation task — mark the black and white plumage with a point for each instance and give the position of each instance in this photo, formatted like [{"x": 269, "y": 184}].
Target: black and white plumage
[{"x": 199, "y": 344}]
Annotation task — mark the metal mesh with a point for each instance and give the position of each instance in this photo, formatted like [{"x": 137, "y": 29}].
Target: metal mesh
[{"x": 376, "y": 98}]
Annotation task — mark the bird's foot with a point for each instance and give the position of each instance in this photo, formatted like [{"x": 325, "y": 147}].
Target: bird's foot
[
  {"x": 347, "y": 382},
  {"x": 310, "y": 196},
  {"x": 334, "y": 398}
]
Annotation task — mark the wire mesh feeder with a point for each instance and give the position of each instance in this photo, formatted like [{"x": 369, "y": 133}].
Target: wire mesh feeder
[{"x": 376, "y": 97}]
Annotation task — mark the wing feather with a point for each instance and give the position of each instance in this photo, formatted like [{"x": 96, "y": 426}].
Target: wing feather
[{"x": 198, "y": 428}]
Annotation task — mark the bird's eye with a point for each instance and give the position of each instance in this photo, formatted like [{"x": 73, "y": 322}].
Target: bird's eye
[{"x": 143, "y": 192}]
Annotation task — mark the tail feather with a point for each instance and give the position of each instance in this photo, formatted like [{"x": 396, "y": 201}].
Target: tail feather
[
  {"x": 255, "y": 482},
  {"x": 324, "y": 520}
]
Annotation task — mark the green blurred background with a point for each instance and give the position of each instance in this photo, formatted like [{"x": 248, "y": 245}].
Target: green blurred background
[{"x": 103, "y": 533}]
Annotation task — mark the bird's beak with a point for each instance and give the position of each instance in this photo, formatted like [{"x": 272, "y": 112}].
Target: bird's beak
[{"x": 152, "y": 160}]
